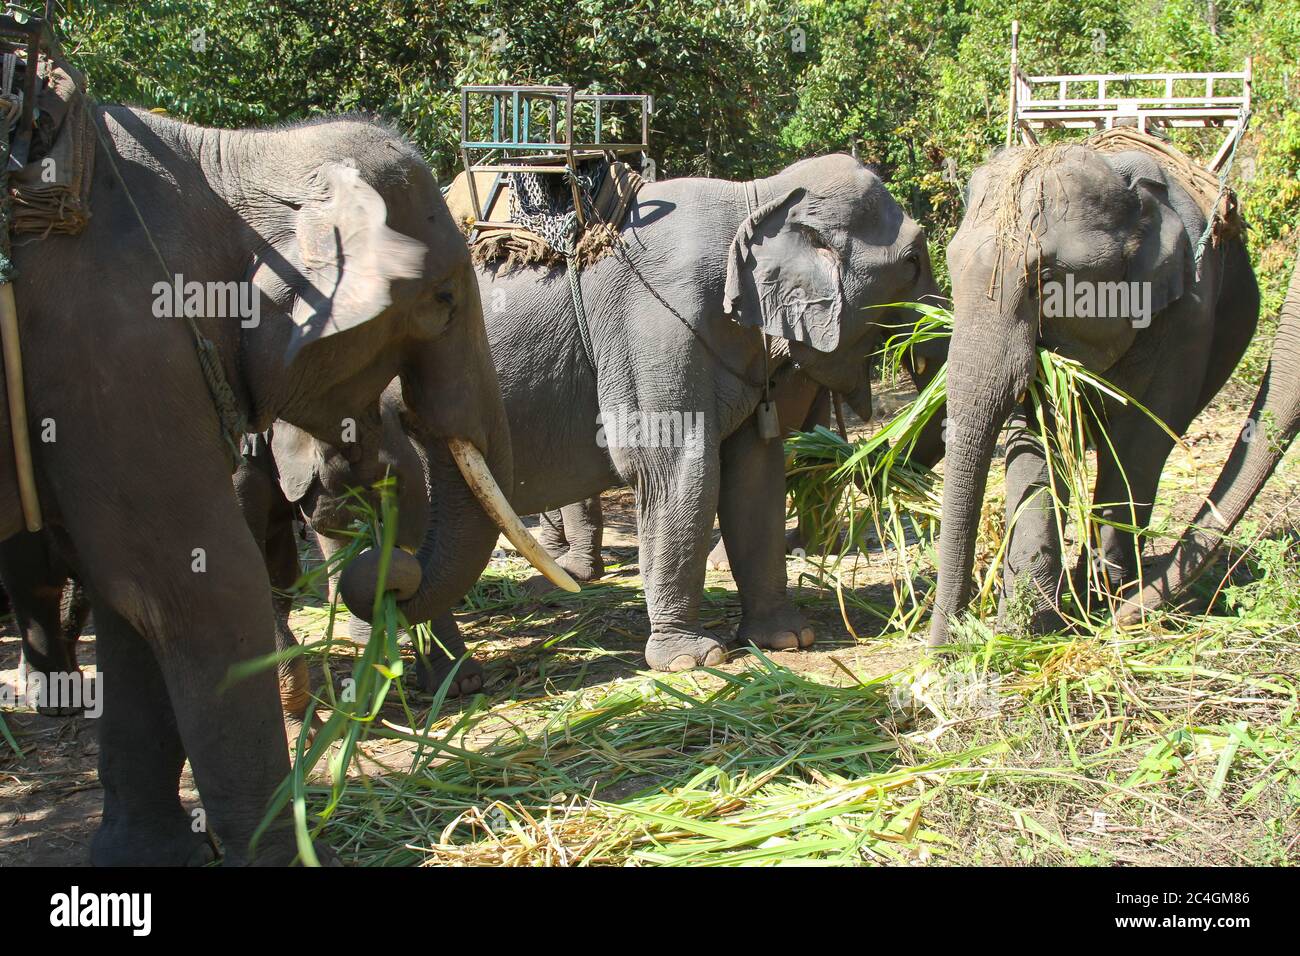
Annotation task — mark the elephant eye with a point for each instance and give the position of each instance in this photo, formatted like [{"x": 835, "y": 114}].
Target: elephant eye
[{"x": 914, "y": 260}]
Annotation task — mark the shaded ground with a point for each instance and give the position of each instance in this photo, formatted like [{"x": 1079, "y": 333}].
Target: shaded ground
[{"x": 531, "y": 648}]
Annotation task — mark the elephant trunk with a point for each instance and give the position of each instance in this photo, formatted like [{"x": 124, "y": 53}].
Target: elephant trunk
[
  {"x": 458, "y": 416},
  {"x": 459, "y": 537},
  {"x": 989, "y": 365},
  {"x": 923, "y": 366},
  {"x": 1273, "y": 423},
  {"x": 859, "y": 399}
]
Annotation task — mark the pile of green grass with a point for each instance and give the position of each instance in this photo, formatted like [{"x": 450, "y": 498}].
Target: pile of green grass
[{"x": 1179, "y": 744}]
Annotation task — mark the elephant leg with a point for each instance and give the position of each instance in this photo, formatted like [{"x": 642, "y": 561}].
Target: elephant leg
[
  {"x": 192, "y": 584},
  {"x": 38, "y": 589},
  {"x": 1125, "y": 495},
  {"x": 1181, "y": 366},
  {"x": 433, "y": 666},
  {"x": 550, "y": 532},
  {"x": 751, "y": 510},
  {"x": 140, "y": 759},
  {"x": 584, "y": 527},
  {"x": 269, "y": 517},
  {"x": 676, "y": 498},
  {"x": 1032, "y": 570},
  {"x": 573, "y": 536},
  {"x": 291, "y": 670}
]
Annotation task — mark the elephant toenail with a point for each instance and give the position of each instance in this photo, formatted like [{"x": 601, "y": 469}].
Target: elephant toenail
[
  {"x": 682, "y": 662},
  {"x": 806, "y": 637}
]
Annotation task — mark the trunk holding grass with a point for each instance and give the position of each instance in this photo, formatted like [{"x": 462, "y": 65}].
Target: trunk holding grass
[
  {"x": 1273, "y": 423},
  {"x": 986, "y": 371}
]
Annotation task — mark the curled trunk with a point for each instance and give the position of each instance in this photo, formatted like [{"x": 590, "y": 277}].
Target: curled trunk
[{"x": 1273, "y": 423}]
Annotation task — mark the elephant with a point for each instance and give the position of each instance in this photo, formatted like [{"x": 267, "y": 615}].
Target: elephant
[
  {"x": 358, "y": 275},
  {"x": 287, "y": 474},
  {"x": 1042, "y": 221},
  {"x": 1269, "y": 430},
  {"x": 715, "y": 288}
]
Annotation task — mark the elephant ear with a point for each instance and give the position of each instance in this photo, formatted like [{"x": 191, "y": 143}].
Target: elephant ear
[
  {"x": 783, "y": 277},
  {"x": 1159, "y": 251},
  {"x": 350, "y": 258},
  {"x": 297, "y": 458}
]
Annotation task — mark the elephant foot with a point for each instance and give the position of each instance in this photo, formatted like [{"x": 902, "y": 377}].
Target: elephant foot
[
  {"x": 680, "y": 650},
  {"x": 295, "y": 687},
  {"x": 58, "y": 694},
  {"x": 151, "y": 841},
  {"x": 293, "y": 728},
  {"x": 1033, "y": 620},
  {"x": 582, "y": 568},
  {"x": 283, "y": 854},
  {"x": 718, "y": 560},
  {"x": 358, "y": 630},
  {"x": 432, "y": 671},
  {"x": 781, "y": 631}
]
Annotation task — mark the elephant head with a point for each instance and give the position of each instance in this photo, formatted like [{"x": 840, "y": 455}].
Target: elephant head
[
  {"x": 1040, "y": 219},
  {"x": 1269, "y": 430},
  {"x": 366, "y": 278},
  {"x": 823, "y": 247}
]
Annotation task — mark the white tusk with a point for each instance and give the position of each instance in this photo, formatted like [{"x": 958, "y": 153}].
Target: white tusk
[
  {"x": 471, "y": 464},
  {"x": 919, "y": 364}
]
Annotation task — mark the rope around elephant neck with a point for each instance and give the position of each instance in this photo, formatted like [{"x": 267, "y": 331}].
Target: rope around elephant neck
[{"x": 231, "y": 415}]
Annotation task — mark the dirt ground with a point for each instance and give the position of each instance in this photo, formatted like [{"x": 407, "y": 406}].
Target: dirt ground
[{"x": 50, "y": 799}]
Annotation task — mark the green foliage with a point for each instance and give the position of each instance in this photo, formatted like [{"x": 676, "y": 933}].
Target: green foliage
[{"x": 918, "y": 88}]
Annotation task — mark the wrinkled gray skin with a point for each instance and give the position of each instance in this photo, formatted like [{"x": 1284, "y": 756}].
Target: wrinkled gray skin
[
  {"x": 573, "y": 534},
  {"x": 1102, "y": 218},
  {"x": 1274, "y": 421},
  {"x": 823, "y": 240},
  {"x": 347, "y": 303}
]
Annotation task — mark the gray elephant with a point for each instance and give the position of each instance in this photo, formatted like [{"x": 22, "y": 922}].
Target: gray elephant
[
  {"x": 358, "y": 275},
  {"x": 287, "y": 474},
  {"x": 1042, "y": 222},
  {"x": 717, "y": 285},
  {"x": 1267, "y": 433}
]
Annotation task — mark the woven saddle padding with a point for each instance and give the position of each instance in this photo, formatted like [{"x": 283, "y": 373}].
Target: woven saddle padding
[
  {"x": 1217, "y": 202},
  {"x": 51, "y": 193},
  {"x": 517, "y": 246}
]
